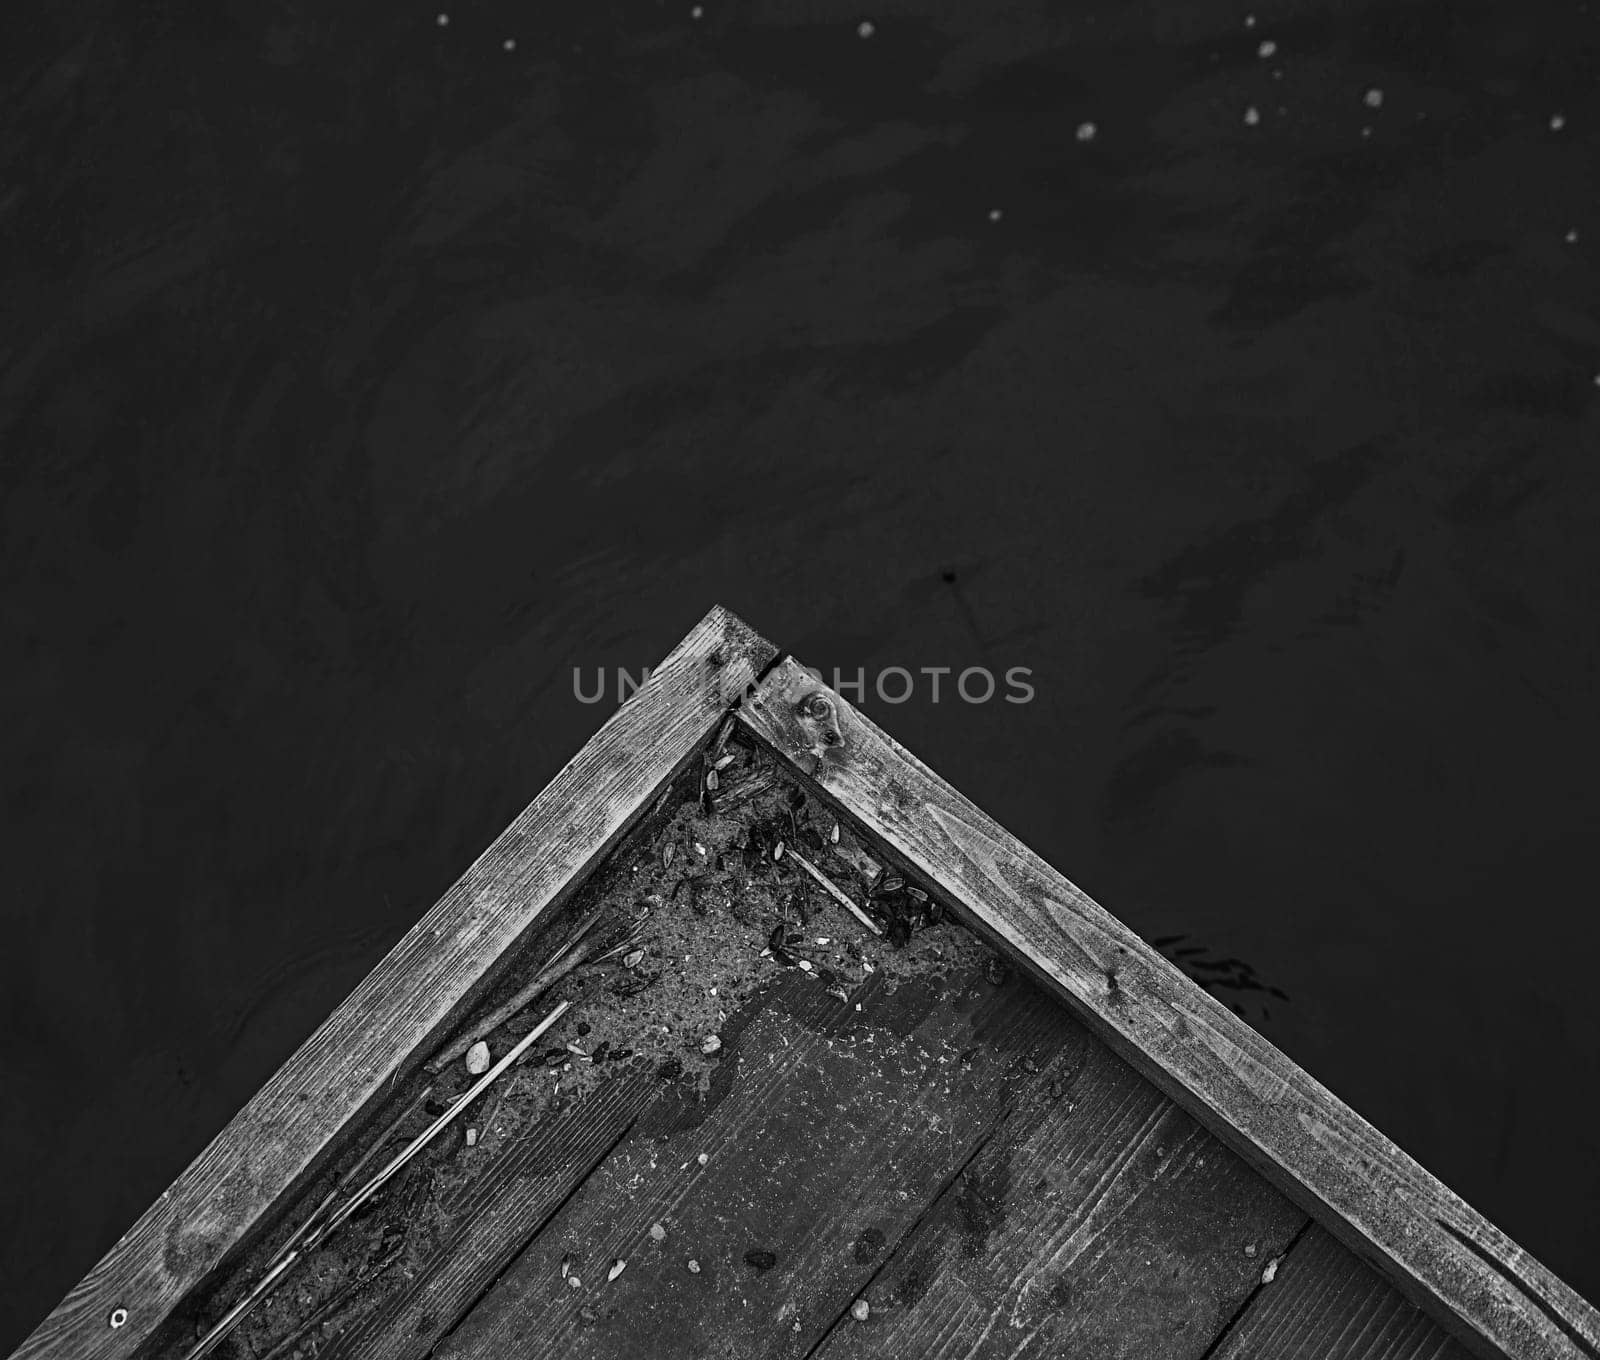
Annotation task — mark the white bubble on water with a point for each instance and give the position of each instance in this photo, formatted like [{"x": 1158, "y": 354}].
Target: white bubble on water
[
  {"x": 1557, "y": 122},
  {"x": 1252, "y": 116},
  {"x": 443, "y": 21},
  {"x": 1086, "y": 132},
  {"x": 1267, "y": 48},
  {"x": 865, "y": 29},
  {"x": 1373, "y": 98}
]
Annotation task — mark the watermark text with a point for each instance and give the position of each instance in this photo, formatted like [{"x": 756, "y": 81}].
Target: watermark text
[{"x": 888, "y": 684}]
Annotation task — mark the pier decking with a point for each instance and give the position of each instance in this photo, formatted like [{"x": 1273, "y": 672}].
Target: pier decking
[{"x": 993, "y": 1122}]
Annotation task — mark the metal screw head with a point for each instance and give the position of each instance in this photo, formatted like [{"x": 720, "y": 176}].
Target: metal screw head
[
  {"x": 816, "y": 706},
  {"x": 118, "y": 1317}
]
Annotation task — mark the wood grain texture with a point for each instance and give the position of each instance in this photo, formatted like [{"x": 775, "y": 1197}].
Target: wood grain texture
[
  {"x": 1480, "y": 1284},
  {"x": 1103, "y": 1223},
  {"x": 487, "y": 1226},
  {"x": 1323, "y": 1304},
  {"x": 835, "y": 1131},
  {"x": 276, "y": 1140}
]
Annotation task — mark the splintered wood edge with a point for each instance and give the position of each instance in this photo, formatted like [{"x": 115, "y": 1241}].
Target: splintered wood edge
[
  {"x": 1475, "y": 1280},
  {"x": 273, "y": 1142}
]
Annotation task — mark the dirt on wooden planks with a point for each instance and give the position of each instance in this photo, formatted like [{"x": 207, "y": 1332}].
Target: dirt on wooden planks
[{"x": 701, "y": 909}]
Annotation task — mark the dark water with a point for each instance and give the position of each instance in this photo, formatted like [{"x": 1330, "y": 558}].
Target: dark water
[{"x": 360, "y": 378}]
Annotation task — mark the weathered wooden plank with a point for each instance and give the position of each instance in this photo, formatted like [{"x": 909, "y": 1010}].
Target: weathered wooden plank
[
  {"x": 486, "y": 1228},
  {"x": 279, "y": 1136},
  {"x": 1105, "y": 1225},
  {"x": 1323, "y": 1304},
  {"x": 837, "y": 1128},
  {"x": 1481, "y": 1285}
]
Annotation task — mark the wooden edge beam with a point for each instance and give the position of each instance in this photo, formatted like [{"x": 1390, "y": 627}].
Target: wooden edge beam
[
  {"x": 268, "y": 1148},
  {"x": 1462, "y": 1270}
]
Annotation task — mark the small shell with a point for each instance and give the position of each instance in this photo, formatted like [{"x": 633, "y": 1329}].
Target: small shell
[
  {"x": 710, "y": 1044},
  {"x": 472, "y": 1137},
  {"x": 667, "y": 854},
  {"x": 712, "y": 779},
  {"x": 694, "y": 1267},
  {"x": 573, "y": 1282},
  {"x": 703, "y": 1159},
  {"x": 805, "y": 965},
  {"x": 1271, "y": 1272},
  {"x": 632, "y": 957},
  {"x": 833, "y": 833},
  {"x": 617, "y": 1267},
  {"x": 777, "y": 851},
  {"x": 566, "y": 1264},
  {"x": 726, "y": 761},
  {"x": 860, "y": 1310},
  {"x": 657, "y": 1233},
  {"x": 478, "y": 1058}
]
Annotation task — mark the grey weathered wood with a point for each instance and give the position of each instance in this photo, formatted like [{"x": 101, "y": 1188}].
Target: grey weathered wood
[
  {"x": 275, "y": 1141},
  {"x": 1323, "y": 1304},
  {"x": 1479, "y": 1283},
  {"x": 836, "y": 1130},
  {"x": 1103, "y": 1224},
  {"x": 485, "y": 1228}
]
